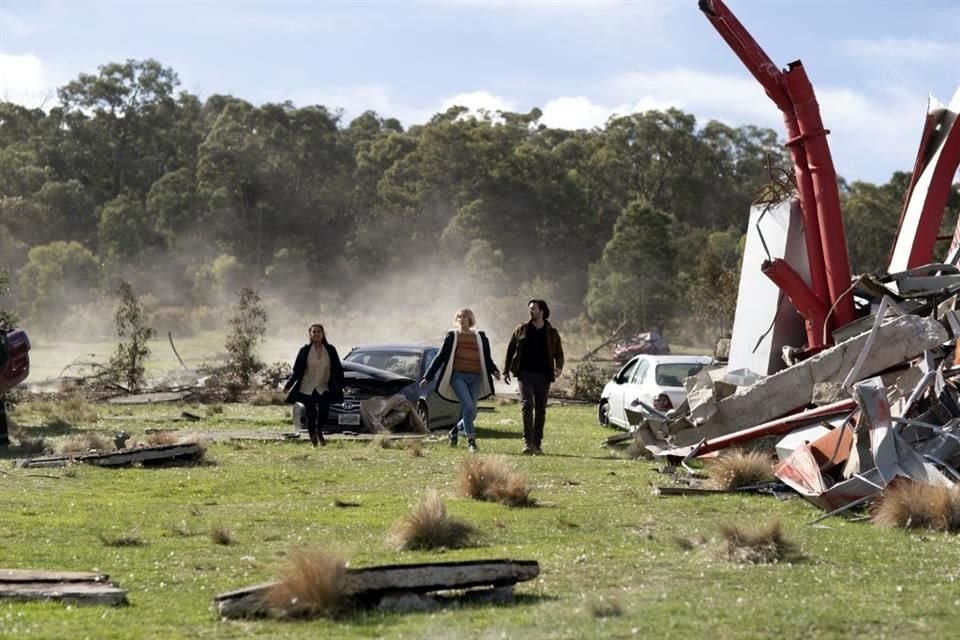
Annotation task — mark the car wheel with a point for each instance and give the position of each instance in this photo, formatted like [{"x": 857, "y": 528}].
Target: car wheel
[
  {"x": 424, "y": 413},
  {"x": 603, "y": 414}
]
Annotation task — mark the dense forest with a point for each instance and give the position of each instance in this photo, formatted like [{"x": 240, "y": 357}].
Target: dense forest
[{"x": 128, "y": 177}]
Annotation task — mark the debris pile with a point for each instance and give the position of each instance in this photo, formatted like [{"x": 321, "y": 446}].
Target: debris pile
[{"x": 858, "y": 377}]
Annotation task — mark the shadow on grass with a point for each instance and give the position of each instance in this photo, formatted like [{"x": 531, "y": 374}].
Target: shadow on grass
[{"x": 374, "y": 616}]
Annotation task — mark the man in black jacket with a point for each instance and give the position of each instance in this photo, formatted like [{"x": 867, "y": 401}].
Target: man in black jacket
[{"x": 535, "y": 357}]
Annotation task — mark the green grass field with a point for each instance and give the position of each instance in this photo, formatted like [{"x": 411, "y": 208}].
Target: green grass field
[{"x": 610, "y": 563}]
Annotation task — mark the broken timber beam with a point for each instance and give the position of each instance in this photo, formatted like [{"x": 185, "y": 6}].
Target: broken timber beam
[
  {"x": 120, "y": 457},
  {"x": 372, "y": 582}
]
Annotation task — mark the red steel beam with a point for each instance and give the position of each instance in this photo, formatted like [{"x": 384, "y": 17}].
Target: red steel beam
[
  {"x": 826, "y": 192},
  {"x": 771, "y": 79},
  {"x": 776, "y": 427},
  {"x": 811, "y": 308}
]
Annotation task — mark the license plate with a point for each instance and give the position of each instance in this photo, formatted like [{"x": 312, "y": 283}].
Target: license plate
[{"x": 351, "y": 419}]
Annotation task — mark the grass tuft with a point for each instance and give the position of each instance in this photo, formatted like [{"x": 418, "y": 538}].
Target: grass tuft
[
  {"x": 268, "y": 397},
  {"x": 160, "y": 438},
  {"x": 740, "y": 469},
  {"x": 312, "y": 584},
  {"x": 428, "y": 526},
  {"x": 605, "y": 608},
  {"x": 415, "y": 449},
  {"x": 912, "y": 505},
  {"x": 766, "y": 545},
  {"x": 213, "y": 409},
  {"x": 220, "y": 534},
  {"x": 494, "y": 479},
  {"x": 84, "y": 442},
  {"x": 69, "y": 411},
  {"x": 128, "y": 539},
  {"x": 381, "y": 441}
]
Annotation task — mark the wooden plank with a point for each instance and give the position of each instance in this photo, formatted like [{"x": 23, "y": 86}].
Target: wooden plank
[
  {"x": 415, "y": 578},
  {"x": 35, "y": 575},
  {"x": 70, "y": 592},
  {"x": 76, "y": 587},
  {"x": 119, "y": 457}
]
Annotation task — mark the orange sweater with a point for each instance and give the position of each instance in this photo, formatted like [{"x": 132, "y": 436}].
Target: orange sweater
[{"x": 467, "y": 356}]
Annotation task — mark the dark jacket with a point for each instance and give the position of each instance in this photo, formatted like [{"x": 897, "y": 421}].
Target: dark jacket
[
  {"x": 335, "y": 385},
  {"x": 516, "y": 346},
  {"x": 442, "y": 359}
]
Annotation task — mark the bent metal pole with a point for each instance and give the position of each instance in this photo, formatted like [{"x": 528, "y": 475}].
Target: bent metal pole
[
  {"x": 771, "y": 79},
  {"x": 826, "y": 193}
]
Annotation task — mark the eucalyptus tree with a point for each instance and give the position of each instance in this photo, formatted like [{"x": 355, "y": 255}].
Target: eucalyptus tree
[
  {"x": 633, "y": 280},
  {"x": 121, "y": 116}
]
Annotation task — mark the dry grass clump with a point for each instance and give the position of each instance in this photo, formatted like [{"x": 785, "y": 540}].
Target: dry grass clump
[
  {"x": 85, "y": 442},
  {"x": 268, "y": 397},
  {"x": 313, "y": 583},
  {"x": 740, "y": 469},
  {"x": 493, "y": 479},
  {"x": 428, "y": 526},
  {"x": 913, "y": 505},
  {"x": 382, "y": 441},
  {"x": 766, "y": 545},
  {"x": 220, "y": 534},
  {"x": 128, "y": 539},
  {"x": 605, "y": 608},
  {"x": 70, "y": 410},
  {"x": 160, "y": 438},
  {"x": 30, "y": 446}
]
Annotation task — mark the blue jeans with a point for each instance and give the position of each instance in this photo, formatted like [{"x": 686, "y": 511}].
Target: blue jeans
[{"x": 467, "y": 388}]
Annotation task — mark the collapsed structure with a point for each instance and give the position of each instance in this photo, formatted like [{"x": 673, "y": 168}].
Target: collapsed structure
[{"x": 861, "y": 374}]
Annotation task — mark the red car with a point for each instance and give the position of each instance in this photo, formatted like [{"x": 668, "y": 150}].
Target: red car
[
  {"x": 14, "y": 358},
  {"x": 14, "y": 368},
  {"x": 649, "y": 343}
]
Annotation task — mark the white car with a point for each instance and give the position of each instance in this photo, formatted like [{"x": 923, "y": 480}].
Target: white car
[{"x": 654, "y": 380}]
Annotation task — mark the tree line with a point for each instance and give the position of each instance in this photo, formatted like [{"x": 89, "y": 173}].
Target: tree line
[{"x": 641, "y": 220}]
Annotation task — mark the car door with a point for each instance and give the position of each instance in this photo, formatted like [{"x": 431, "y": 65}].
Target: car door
[
  {"x": 617, "y": 389},
  {"x": 635, "y": 389}
]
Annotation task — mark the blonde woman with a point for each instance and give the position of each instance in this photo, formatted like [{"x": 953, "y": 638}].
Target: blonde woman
[{"x": 466, "y": 373}]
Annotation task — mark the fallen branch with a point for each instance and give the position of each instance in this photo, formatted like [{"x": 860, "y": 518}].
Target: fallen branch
[{"x": 613, "y": 336}]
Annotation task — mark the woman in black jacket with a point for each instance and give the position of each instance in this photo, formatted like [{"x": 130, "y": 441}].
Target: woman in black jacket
[
  {"x": 466, "y": 373},
  {"x": 316, "y": 381}
]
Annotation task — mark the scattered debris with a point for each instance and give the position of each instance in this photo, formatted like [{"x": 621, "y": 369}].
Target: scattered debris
[{"x": 184, "y": 453}]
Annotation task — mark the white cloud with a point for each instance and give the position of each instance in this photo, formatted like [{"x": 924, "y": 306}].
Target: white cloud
[
  {"x": 905, "y": 49},
  {"x": 582, "y": 113},
  {"x": 354, "y": 100},
  {"x": 477, "y": 101},
  {"x": 25, "y": 81}
]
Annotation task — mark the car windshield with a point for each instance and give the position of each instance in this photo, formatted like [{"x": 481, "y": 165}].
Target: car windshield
[
  {"x": 406, "y": 364},
  {"x": 672, "y": 374}
]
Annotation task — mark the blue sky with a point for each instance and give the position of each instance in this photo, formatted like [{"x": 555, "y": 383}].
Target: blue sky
[{"x": 872, "y": 62}]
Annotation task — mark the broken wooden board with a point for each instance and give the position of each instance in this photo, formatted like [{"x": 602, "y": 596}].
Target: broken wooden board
[
  {"x": 150, "y": 398},
  {"x": 371, "y": 583},
  {"x": 121, "y": 457},
  {"x": 73, "y": 587}
]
